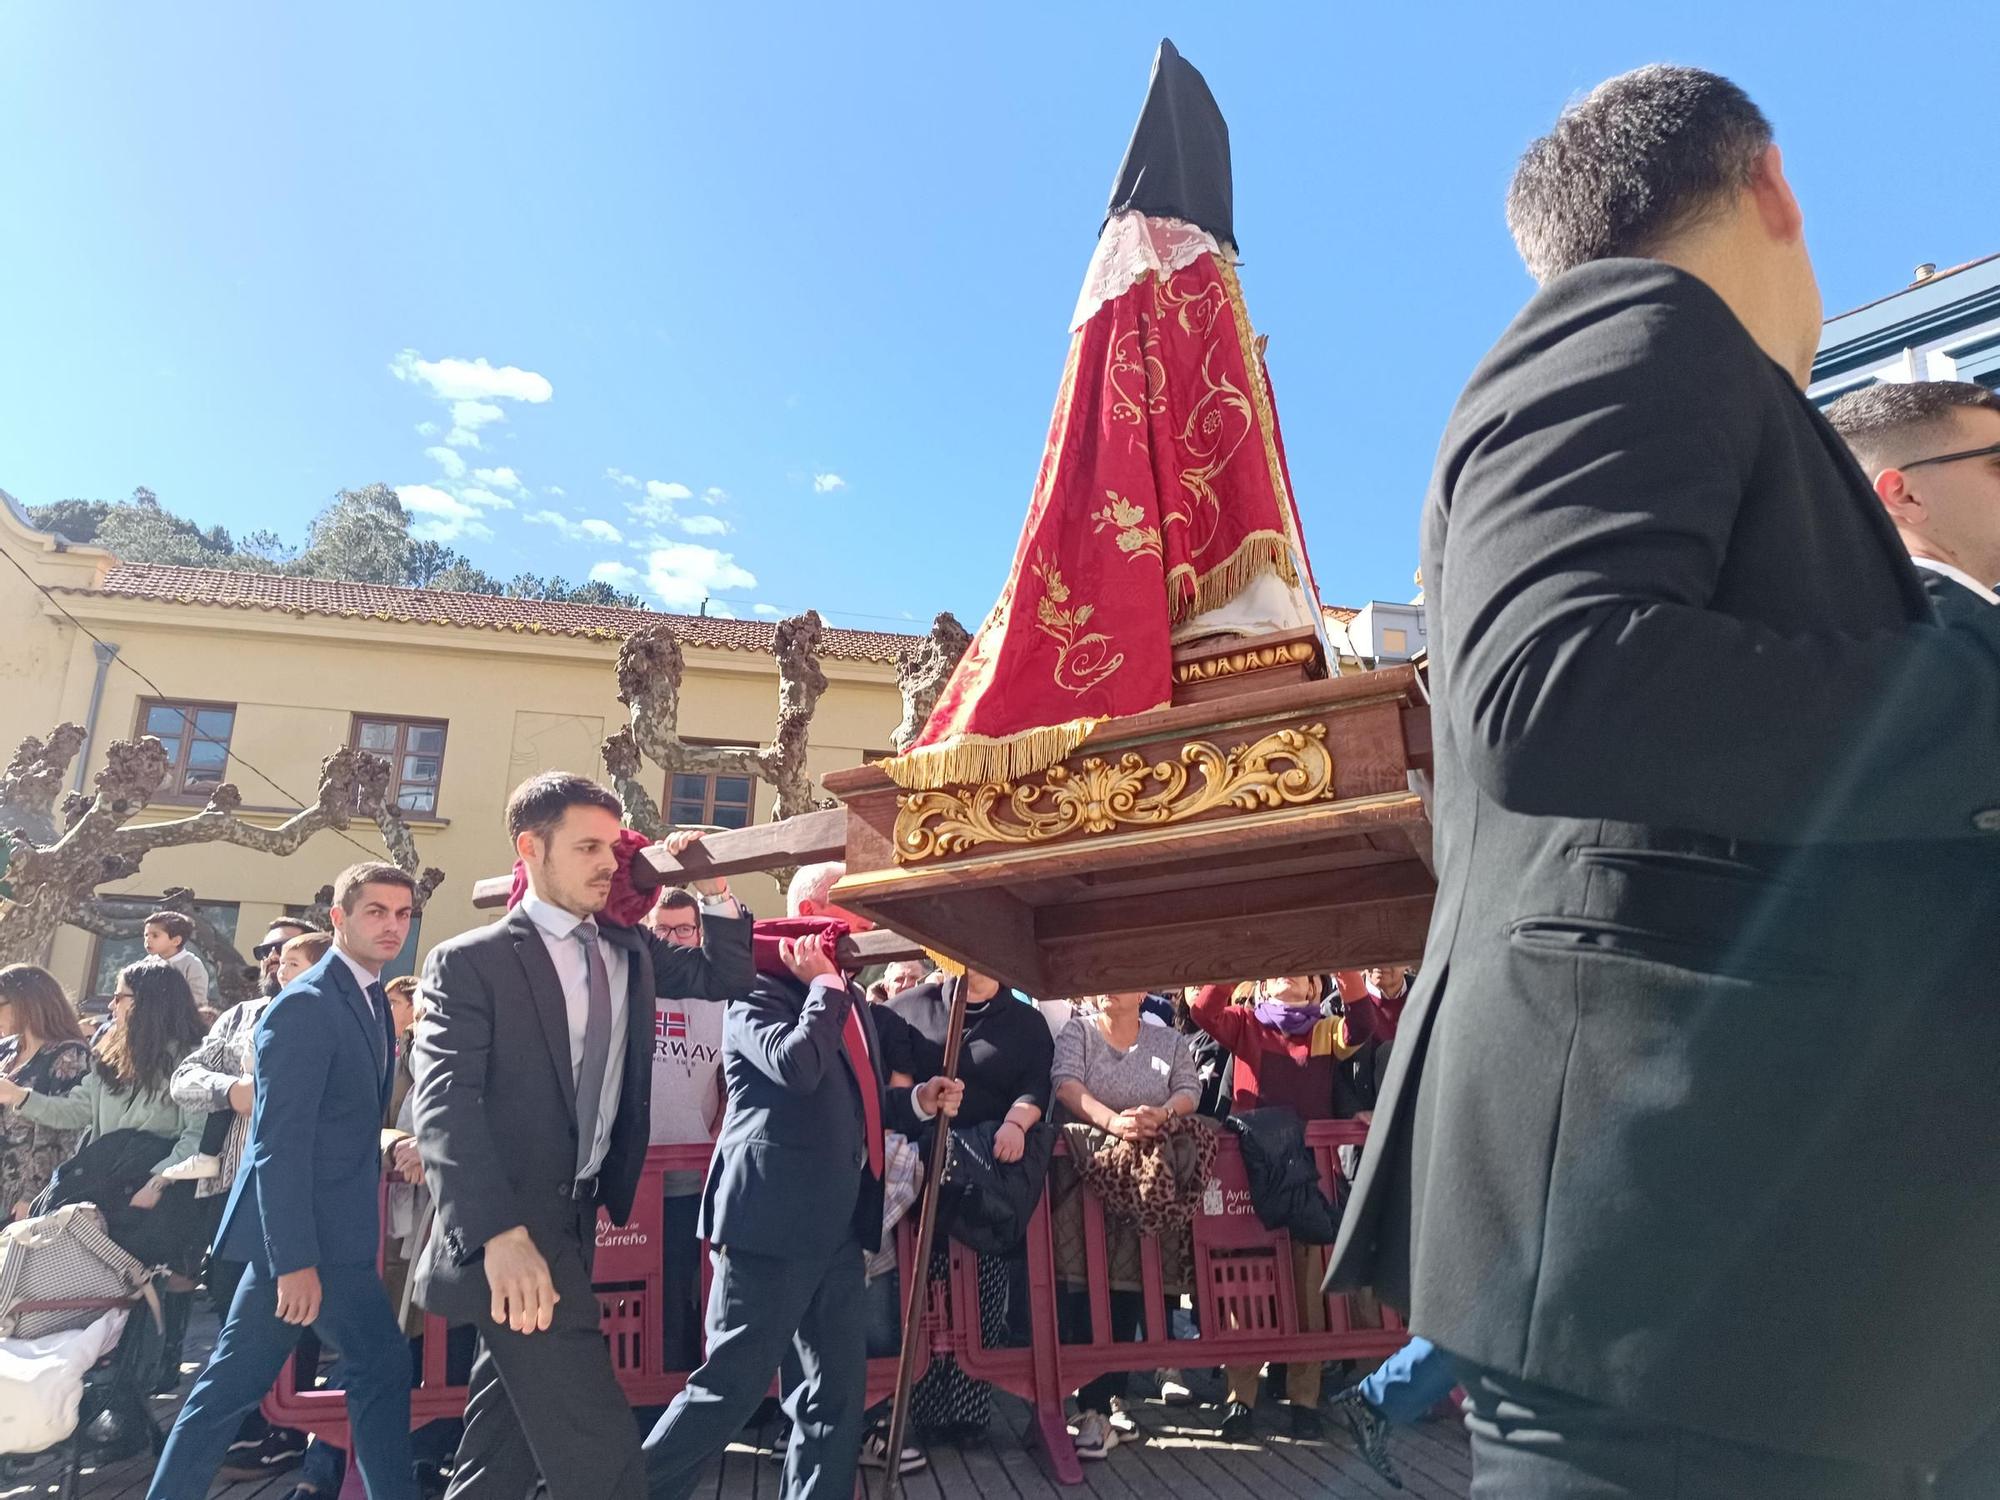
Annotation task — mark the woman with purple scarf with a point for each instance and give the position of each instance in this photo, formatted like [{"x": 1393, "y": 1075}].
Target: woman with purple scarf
[{"x": 1287, "y": 1055}]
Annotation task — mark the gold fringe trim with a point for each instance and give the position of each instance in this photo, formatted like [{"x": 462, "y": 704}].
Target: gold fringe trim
[
  {"x": 947, "y": 966},
  {"x": 1260, "y": 395},
  {"x": 1259, "y": 553},
  {"x": 980, "y": 758}
]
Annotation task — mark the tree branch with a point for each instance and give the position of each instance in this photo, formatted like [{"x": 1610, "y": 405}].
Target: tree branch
[
  {"x": 34, "y": 780},
  {"x": 921, "y": 674}
]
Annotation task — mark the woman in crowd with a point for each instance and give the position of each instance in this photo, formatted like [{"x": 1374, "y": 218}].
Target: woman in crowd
[
  {"x": 153, "y": 1026},
  {"x": 43, "y": 1048},
  {"x": 1004, "y": 1063},
  {"x": 1128, "y": 1079},
  {"x": 1287, "y": 1054}
]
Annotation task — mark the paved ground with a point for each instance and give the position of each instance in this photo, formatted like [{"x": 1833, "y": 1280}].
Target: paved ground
[{"x": 1181, "y": 1459}]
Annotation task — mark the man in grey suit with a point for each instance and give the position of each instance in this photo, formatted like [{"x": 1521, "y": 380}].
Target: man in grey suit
[
  {"x": 1718, "y": 836},
  {"x": 533, "y": 1068}
]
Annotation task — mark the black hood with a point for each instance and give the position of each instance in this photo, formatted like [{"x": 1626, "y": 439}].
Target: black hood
[{"x": 1177, "y": 165}]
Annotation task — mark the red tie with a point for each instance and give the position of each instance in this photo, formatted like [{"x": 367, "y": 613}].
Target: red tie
[{"x": 871, "y": 1091}]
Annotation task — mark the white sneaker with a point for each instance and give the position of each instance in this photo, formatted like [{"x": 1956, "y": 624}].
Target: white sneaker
[
  {"x": 196, "y": 1168},
  {"x": 1122, "y": 1421},
  {"x": 1094, "y": 1436},
  {"x": 1173, "y": 1390},
  {"x": 875, "y": 1454}
]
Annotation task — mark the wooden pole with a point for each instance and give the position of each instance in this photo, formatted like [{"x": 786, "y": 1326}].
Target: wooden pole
[{"x": 917, "y": 1292}]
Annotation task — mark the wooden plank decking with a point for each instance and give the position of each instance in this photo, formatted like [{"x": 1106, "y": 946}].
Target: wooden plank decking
[{"x": 1181, "y": 1459}]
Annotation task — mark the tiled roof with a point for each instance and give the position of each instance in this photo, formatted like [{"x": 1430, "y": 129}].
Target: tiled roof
[{"x": 367, "y": 601}]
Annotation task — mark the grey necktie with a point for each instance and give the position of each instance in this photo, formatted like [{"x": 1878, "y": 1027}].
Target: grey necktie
[{"x": 596, "y": 1047}]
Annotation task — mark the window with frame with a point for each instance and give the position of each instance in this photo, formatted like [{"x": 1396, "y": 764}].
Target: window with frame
[
  {"x": 722, "y": 801},
  {"x": 114, "y": 953},
  {"x": 196, "y": 739},
  {"x": 414, "y": 749}
]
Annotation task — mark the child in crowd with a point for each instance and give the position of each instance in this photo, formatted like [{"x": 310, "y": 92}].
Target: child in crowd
[{"x": 166, "y": 936}]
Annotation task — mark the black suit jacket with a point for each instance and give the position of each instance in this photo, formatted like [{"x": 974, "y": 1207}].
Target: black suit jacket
[
  {"x": 790, "y": 1173},
  {"x": 495, "y": 1107},
  {"x": 1693, "y": 1111},
  {"x": 1954, "y": 602}
]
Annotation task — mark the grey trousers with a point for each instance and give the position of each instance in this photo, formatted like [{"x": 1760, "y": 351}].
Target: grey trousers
[{"x": 1531, "y": 1443}]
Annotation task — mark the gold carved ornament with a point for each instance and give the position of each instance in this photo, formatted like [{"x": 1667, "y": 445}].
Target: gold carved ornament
[{"x": 1286, "y": 768}]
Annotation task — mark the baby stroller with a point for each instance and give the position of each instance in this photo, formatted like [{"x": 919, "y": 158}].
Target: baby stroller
[{"x": 80, "y": 1345}]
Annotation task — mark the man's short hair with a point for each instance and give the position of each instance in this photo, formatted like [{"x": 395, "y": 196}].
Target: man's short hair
[
  {"x": 1643, "y": 157},
  {"x": 312, "y": 944},
  {"x": 1886, "y": 423},
  {"x": 174, "y": 924},
  {"x": 297, "y": 924},
  {"x": 347, "y": 885},
  {"x": 813, "y": 883},
  {"x": 540, "y": 802},
  {"x": 678, "y": 898}
]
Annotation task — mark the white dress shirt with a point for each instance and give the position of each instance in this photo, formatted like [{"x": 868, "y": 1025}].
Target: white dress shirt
[
  {"x": 566, "y": 953},
  {"x": 361, "y": 977},
  {"x": 1958, "y": 575}
]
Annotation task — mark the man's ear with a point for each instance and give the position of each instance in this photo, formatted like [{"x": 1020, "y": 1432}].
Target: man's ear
[
  {"x": 1777, "y": 206},
  {"x": 808, "y": 907},
  {"x": 527, "y": 846},
  {"x": 1892, "y": 488}
]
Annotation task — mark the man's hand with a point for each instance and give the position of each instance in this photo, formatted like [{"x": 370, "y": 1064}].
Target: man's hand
[
  {"x": 1351, "y": 983},
  {"x": 22, "y": 1210},
  {"x": 941, "y": 1097},
  {"x": 808, "y": 958},
  {"x": 243, "y": 1095},
  {"x": 147, "y": 1196},
  {"x": 298, "y": 1296},
  {"x": 524, "y": 1294},
  {"x": 404, "y": 1162},
  {"x": 675, "y": 844}
]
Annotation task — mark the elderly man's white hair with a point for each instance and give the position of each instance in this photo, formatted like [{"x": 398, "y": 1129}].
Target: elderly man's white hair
[{"x": 813, "y": 883}]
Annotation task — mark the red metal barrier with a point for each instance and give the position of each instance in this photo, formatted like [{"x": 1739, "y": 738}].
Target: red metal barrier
[
  {"x": 1244, "y": 1299},
  {"x": 629, "y": 1279}
]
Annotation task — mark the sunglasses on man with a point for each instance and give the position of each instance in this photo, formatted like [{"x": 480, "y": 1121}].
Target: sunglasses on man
[{"x": 1991, "y": 450}]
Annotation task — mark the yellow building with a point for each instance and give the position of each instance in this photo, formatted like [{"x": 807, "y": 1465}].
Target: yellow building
[{"x": 253, "y": 678}]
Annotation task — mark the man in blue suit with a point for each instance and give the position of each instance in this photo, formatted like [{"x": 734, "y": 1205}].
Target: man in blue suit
[
  {"x": 303, "y": 1216},
  {"x": 792, "y": 1204}
]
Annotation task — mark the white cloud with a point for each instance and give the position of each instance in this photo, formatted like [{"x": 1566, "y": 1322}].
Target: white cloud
[
  {"x": 619, "y": 476},
  {"x": 427, "y": 429},
  {"x": 500, "y": 479},
  {"x": 467, "y": 417},
  {"x": 824, "y": 484},
  {"x": 471, "y": 379},
  {"x": 665, "y": 490},
  {"x": 713, "y": 496},
  {"x": 768, "y": 611},
  {"x": 704, "y": 525},
  {"x": 619, "y": 575},
  {"x": 450, "y": 462},
  {"x": 555, "y": 489},
  {"x": 682, "y": 574},
  {"x": 441, "y": 517},
  {"x": 591, "y": 529},
  {"x": 485, "y": 499}
]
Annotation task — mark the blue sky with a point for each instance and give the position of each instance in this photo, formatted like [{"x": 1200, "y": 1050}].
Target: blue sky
[{"x": 769, "y": 302}]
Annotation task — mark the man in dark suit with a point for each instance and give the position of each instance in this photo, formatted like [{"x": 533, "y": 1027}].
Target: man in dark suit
[
  {"x": 793, "y": 1203},
  {"x": 1931, "y": 449},
  {"x": 533, "y": 1066},
  {"x": 303, "y": 1215},
  {"x": 1718, "y": 832}
]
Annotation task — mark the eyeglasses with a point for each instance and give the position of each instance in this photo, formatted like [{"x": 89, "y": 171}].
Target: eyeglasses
[
  {"x": 1991, "y": 450},
  {"x": 265, "y": 950},
  {"x": 680, "y": 931}
]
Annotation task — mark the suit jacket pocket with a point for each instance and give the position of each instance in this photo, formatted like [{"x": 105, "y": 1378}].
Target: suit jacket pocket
[{"x": 1596, "y": 938}]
